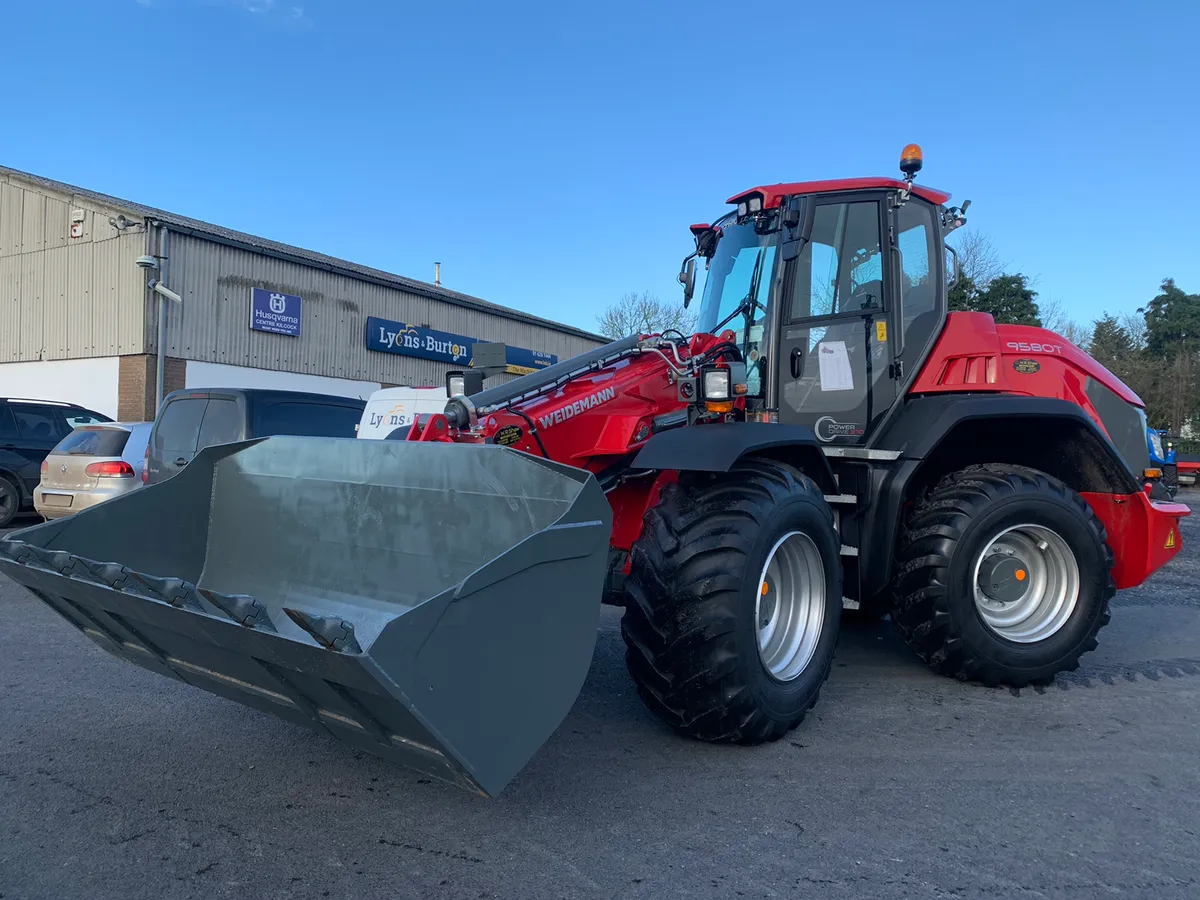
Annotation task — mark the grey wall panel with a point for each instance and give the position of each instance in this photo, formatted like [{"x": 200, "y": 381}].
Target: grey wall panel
[
  {"x": 118, "y": 286},
  {"x": 213, "y": 324},
  {"x": 78, "y": 308},
  {"x": 12, "y": 200},
  {"x": 33, "y": 289},
  {"x": 54, "y": 303},
  {"x": 63, "y": 297},
  {"x": 10, "y": 308},
  {"x": 58, "y": 222},
  {"x": 33, "y": 222}
]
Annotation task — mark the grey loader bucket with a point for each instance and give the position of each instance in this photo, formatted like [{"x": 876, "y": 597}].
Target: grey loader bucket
[{"x": 435, "y": 604}]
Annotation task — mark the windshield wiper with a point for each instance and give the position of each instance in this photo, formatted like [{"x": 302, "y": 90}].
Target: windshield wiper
[{"x": 749, "y": 303}]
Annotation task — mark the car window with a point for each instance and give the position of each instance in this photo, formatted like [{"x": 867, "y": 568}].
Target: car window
[
  {"x": 77, "y": 417},
  {"x": 313, "y": 419},
  {"x": 37, "y": 423},
  {"x": 179, "y": 426},
  {"x": 93, "y": 442},
  {"x": 222, "y": 423},
  {"x": 8, "y": 425}
]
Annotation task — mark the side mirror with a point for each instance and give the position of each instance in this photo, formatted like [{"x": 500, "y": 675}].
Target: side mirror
[{"x": 687, "y": 277}]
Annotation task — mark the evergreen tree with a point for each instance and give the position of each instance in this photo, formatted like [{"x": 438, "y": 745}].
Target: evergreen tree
[
  {"x": 1111, "y": 345},
  {"x": 1009, "y": 300}
]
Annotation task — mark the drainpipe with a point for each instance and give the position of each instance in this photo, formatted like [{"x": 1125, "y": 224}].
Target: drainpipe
[{"x": 163, "y": 261}]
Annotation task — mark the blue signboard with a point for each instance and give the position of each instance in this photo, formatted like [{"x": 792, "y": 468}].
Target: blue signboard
[
  {"x": 275, "y": 312},
  {"x": 386, "y": 336}
]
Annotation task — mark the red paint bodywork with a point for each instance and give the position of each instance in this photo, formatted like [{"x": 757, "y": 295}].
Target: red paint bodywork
[
  {"x": 597, "y": 421},
  {"x": 774, "y": 193},
  {"x": 975, "y": 354},
  {"x": 1144, "y": 535},
  {"x": 600, "y": 419}
]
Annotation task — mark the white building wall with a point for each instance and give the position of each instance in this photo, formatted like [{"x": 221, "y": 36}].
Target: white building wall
[
  {"x": 218, "y": 375},
  {"x": 89, "y": 382}
]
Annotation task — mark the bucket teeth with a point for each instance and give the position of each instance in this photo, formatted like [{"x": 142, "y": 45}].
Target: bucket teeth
[
  {"x": 59, "y": 561},
  {"x": 109, "y": 574},
  {"x": 242, "y": 608},
  {"x": 16, "y": 551},
  {"x": 179, "y": 593},
  {"x": 330, "y": 632}
]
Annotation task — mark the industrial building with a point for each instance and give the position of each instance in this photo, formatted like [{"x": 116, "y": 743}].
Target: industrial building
[{"x": 82, "y": 321}]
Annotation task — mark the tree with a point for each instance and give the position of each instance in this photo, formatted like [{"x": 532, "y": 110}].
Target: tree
[
  {"x": 961, "y": 297},
  {"x": 1173, "y": 345},
  {"x": 1009, "y": 300},
  {"x": 978, "y": 258},
  {"x": 1172, "y": 319},
  {"x": 1055, "y": 318},
  {"x": 1111, "y": 344},
  {"x": 644, "y": 314}
]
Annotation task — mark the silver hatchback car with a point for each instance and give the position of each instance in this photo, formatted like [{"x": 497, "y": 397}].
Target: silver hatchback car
[{"x": 92, "y": 464}]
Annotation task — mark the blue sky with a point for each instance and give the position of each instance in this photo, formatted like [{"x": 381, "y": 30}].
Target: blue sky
[{"x": 551, "y": 155}]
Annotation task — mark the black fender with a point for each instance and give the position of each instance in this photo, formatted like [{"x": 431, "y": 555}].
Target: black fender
[
  {"x": 935, "y": 434},
  {"x": 716, "y": 447}
]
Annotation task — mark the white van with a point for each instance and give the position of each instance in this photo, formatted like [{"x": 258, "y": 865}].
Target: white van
[{"x": 391, "y": 408}]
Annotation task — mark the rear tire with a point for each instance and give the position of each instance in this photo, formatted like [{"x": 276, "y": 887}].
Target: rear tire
[
  {"x": 10, "y": 501},
  {"x": 733, "y": 603},
  {"x": 1003, "y": 575}
]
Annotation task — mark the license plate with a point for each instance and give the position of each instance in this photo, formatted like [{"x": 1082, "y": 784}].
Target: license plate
[{"x": 56, "y": 499}]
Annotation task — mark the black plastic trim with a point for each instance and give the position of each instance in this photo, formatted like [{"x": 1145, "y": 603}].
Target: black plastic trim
[
  {"x": 921, "y": 430},
  {"x": 715, "y": 448}
]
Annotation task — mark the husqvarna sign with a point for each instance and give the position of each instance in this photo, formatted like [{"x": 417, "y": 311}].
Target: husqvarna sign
[{"x": 275, "y": 312}]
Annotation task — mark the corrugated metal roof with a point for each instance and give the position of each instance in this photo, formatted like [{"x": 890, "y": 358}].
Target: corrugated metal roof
[{"x": 298, "y": 254}]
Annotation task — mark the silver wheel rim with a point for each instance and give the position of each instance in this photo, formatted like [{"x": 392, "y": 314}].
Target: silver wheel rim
[
  {"x": 1026, "y": 583},
  {"x": 789, "y": 606}
]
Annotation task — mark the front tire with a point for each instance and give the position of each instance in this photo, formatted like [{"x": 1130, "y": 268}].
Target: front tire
[
  {"x": 10, "y": 501},
  {"x": 733, "y": 603},
  {"x": 1003, "y": 576}
]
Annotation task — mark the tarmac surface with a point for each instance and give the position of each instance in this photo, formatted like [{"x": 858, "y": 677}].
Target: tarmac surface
[{"x": 117, "y": 783}]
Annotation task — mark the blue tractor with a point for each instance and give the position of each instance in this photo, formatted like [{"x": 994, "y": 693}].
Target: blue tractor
[{"x": 1165, "y": 483}]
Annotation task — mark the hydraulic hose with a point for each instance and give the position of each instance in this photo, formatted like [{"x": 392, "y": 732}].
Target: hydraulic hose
[{"x": 460, "y": 409}]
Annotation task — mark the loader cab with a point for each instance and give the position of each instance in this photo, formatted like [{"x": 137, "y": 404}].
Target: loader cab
[{"x": 836, "y": 292}]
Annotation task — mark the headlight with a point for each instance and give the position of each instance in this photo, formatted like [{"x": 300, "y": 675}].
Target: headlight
[
  {"x": 1156, "y": 445},
  {"x": 456, "y": 385},
  {"x": 716, "y": 384}
]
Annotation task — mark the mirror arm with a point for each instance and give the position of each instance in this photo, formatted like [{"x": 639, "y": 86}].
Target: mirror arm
[{"x": 957, "y": 269}]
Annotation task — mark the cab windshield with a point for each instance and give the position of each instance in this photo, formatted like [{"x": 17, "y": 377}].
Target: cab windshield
[{"x": 739, "y": 275}]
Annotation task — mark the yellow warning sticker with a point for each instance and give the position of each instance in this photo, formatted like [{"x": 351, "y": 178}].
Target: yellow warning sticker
[
  {"x": 881, "y": 330},
  {"x": 1170, "y": 540}
]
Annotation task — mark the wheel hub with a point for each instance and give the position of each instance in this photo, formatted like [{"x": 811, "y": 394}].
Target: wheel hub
[
  {"x": 1026, "y": 583},
  {"x": 789, "y": 608},
  {"x": 1004, "y": 578}
]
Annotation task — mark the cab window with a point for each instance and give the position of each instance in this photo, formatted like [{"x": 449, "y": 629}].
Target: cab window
[
  {"x": 915, "y": 223},
  {"x": 840, "y": 269}
]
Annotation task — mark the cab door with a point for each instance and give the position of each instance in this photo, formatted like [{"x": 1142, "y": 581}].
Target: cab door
[{"x": 835, "y": 359}]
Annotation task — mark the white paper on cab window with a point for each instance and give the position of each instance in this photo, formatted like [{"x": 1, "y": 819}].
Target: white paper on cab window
[{"x": 836, "y": 374}]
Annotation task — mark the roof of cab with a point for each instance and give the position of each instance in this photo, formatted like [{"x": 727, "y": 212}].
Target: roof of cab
[{"x": 774, "y": 193}]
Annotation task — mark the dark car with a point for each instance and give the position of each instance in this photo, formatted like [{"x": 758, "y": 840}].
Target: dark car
[
  {"x": 29, "y": 430},
  {"x": 193, "y": 419}
]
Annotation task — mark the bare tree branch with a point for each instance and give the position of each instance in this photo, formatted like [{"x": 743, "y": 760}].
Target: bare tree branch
[
  {"x": 645, "y": 314},
  {"x": 980, "y": 261}
]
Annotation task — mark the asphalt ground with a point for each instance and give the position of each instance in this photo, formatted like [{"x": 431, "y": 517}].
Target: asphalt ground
[{"x": 116, "y": 783}]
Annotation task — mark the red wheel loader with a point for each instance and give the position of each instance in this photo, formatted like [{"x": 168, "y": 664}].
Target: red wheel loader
[{"x": 830, "y": 439}]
